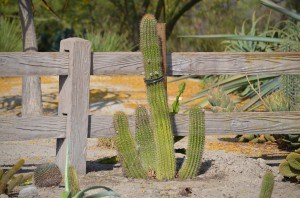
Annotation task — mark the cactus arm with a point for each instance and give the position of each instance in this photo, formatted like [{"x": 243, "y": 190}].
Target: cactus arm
[
  {"x": 127, "y": 148},
  {"x": 196, "y": 141},
  {"x": 26, "y": 177},
  {"x": 6, "y": 176},
  {"x": 73, "y": 181},
  {"x": 157, "y": 98},
  {"x": 14, "y": 182},
  {"x": 267, "y": 185},
  {"x": 144, "y": 138}
]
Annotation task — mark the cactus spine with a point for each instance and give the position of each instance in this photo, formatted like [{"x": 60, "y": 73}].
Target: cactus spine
[
  {"x": 157, "y": 98},
  {"x": 267, "y": 185},
  {"x": 195, "y": 148},
  {"x": 127, "y": 148},
  {"x": 144, "y": 138}
]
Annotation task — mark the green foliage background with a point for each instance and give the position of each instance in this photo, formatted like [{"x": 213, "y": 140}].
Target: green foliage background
[{"x": 59, "y": 19}]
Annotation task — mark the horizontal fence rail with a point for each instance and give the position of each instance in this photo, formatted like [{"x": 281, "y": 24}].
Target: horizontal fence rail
[
  {"x": 233, "y": 123},
  {"x": 131, "y": 63},
  {"x": 33, "y": 63}
]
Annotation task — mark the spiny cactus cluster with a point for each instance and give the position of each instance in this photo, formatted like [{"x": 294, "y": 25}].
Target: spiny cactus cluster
[
  {"x": 277, "y": 101},
  {"x": 267, "y": 185},
  {"x": 290, "y": 167},
  {"x": 47, "y": 175},
  {"x": 151, "y": 152},
  {"x": 8, "y": 179},
  {"x": 219, "y": 100},
  {"x": 260, "y": 138},
  {"x": 290, "y": 85}
]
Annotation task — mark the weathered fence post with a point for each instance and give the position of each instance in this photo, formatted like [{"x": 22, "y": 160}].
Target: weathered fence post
[
  {"x": 161, "y": 31},
  {"x": 74, "y": 103}
]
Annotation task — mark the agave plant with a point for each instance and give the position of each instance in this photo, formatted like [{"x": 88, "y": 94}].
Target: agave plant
[
  {"x": 10, "y": 35},
  {"x": 72, "y": 184},
  {"x": 272, "y": 39}
]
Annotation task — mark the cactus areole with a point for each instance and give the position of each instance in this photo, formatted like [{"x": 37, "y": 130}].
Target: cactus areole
[{"x": 151, "y": 49}]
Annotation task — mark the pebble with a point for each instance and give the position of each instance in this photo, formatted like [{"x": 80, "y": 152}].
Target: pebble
[{"x": 29, "y": 192}]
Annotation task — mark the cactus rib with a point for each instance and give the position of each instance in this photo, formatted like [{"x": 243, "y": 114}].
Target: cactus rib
[{"x": 195, "y": 148}]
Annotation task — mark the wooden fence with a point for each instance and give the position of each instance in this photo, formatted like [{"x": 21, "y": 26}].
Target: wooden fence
[{"x": 75, "y": 63}]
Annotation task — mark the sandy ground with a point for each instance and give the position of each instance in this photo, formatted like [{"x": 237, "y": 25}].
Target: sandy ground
[
  {"x": 228, "y": 169},
  {"x": 223, "y": 174}
]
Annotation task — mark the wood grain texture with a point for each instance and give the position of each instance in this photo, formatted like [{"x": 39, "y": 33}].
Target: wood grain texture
[
  {"x": 205, "y": 63},
  {"x": 33, "y": 63},
  {"x": 13, "y": 128},
  {"x": 200, "y": 63},
  {"x": 217, "y": 123},
  {"x": 74, "y": 103},
  {"x": 131, "y": 63},
  {"x": 19, "y": 128}
]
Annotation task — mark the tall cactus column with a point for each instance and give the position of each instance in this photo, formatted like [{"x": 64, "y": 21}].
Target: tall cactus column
[{"x": 157, "y": 98}]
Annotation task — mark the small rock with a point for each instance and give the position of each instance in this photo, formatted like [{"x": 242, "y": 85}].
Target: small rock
[
  {"x": 279, "y": 178},
  {"x": 29, "y": 192},
  {"x": 4, "y": 196},
  {"x": 262, "y": 163}
]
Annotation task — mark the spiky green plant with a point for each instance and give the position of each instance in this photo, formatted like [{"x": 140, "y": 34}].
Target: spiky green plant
[
  {"x": 73, "y": 180},
  {"x": 291, "y": 89},
  {"x": 127, "y": 148},
  {"x": 47, "y": 175},
  {"x": 157, "y": 98},
  {"x": 10, "y": 35},
  {"x": 290, "y": 167},
  {"x": 282, "y": 37},
  {"x": 219, "y": 100},
  {"x": 8, "y": 180},
  {"x": 267, "y": 185},
  {"x": 154, "y": 149},
  {"x": 196, "y": 141},
  {"x": 145, "y": 138},
  {"x": 107, "y": 42},
  {"x": 72, "y": 184}
]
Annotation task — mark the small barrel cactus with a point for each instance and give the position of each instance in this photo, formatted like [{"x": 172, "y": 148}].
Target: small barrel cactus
[
  {"x": 47, "y": 175},
  {"x": 267, "y": 185}
]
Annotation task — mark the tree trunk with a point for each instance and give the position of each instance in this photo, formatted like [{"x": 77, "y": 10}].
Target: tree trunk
[{"x": 31, "y": 85}]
